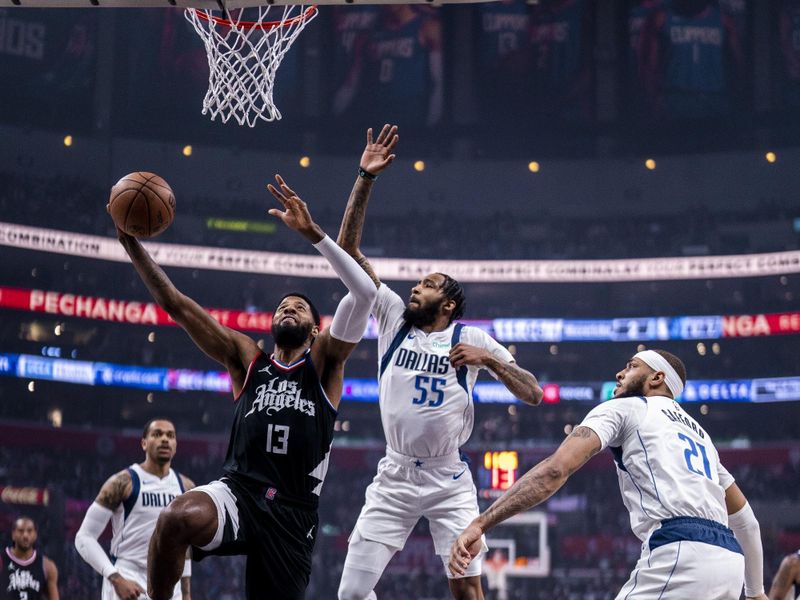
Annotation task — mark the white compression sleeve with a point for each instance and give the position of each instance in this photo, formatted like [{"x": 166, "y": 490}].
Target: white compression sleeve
[
  {"x": 352, "y": 314},
  {"x": 95, "y": 521},
  {"x": 745, "y": 525}
]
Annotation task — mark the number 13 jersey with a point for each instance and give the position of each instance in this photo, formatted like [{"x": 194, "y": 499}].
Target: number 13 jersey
[
  {"x": 282, "y": 431},
  {"x": 426, "y": 403}
]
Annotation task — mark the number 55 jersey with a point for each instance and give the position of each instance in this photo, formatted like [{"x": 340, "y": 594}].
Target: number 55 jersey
[{"x": 426, "y": 403}]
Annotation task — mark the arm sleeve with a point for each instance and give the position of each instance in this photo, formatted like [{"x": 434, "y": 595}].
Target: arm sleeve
[
  {"x": 614, "y": 420},
  {"x": 748, "y": 532},
  {"x": 352, "y": 314},
  {"x": 95, "y": 521}
]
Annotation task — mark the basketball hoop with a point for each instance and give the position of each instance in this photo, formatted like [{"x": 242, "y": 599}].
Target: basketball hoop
[{"x": 244, "y": 56}]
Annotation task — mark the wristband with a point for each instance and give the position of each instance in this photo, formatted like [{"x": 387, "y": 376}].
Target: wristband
[{"x": 366, "y": 174}]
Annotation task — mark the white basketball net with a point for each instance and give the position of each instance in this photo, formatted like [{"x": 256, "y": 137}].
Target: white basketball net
[{"x": 243, "y": 58}]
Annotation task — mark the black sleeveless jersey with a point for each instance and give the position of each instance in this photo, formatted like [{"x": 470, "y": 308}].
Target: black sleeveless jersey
[
  {"x": 22, "y": 580},
  {"x": 282, "y": 431}
]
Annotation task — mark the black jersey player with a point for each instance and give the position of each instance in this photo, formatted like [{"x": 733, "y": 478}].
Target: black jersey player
[
  {"x": 26, "y": 573},
  {"x": 265, "y": 504}
]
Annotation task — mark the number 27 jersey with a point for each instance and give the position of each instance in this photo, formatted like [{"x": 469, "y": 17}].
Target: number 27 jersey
[{"x": 426, "y": 403}]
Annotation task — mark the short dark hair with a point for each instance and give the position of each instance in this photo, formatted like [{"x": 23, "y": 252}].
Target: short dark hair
[
  {"x": 24, "y": 518},
  {"x": 314, "y": 311},
  {"x": 675, "y": 362},
  {"x": 147, "y": 425},
  {"x": 452, "y": 290}
]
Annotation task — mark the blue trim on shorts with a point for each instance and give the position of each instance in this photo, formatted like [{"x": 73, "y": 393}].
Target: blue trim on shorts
[{"x": 694, "y": 529}]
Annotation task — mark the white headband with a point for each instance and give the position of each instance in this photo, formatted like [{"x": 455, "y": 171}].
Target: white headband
[{"x": 658, "y": 363}]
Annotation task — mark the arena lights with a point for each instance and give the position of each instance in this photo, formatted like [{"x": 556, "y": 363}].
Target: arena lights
[
  {"x": 305, "y": 162},
  {"x": 533, "y": 166},
  {"x": 419, "y": 165},
  {"x": 650, "y": 164},
  {"x": 68, "y": 140},
  {"x": 771, "y": 157},
  {"x": 151, "y": 337},
  {"x": 56, "y": 417},
  {"x": 187, "y": 150},
  {"x": 31, "y": 386}
]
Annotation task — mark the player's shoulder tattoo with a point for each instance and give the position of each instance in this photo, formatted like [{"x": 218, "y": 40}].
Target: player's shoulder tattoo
[
  {"x": 115, "y": 490},
  {"x": 581, "y": 431}
]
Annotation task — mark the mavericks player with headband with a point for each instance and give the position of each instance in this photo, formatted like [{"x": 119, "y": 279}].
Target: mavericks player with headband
[
  {"x": 428, "y": 367},
  {"x": 265, "y": 504},
  {"x": 132, "y": 500},
  {"x": 680, "y": 498}
]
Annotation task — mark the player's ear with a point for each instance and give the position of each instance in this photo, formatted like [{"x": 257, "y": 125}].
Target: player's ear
[
  {"x": 657, "y": 378},
  {"x": 448, "y": 306},
  {"x": 314, "y": 332},
  {"x": 144, "y": 444}
]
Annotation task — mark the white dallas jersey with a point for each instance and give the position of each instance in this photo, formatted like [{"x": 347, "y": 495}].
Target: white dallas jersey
[
  {"x": 667, "y": 465},
  {"x": 134, "y": 521},
  {"x": 426, "y": 404}
]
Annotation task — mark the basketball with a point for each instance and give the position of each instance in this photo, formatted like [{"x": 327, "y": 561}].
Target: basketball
[{"x": 142, "y": 204}]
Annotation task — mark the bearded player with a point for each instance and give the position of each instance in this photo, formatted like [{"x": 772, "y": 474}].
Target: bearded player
[{"x": 265, "y": 504}]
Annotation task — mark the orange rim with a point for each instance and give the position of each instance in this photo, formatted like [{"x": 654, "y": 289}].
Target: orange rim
[{"x": 307, "y": 13}]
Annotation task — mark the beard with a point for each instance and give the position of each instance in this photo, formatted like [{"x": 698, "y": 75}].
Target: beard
[
  {"x": 633, "y": 388},
  {"x": 421, "y": 315},
  {"x": 290, "y": 337}
]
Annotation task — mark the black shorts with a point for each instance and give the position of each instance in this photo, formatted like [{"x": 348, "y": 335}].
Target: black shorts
[{"x": 277, "y": 539}]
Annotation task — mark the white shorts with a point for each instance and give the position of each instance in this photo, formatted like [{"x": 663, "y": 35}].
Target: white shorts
[
  {"x": 132, "y": 572},
  {"x": 439, "y": 489},
  {"x": 684, "y": 569}
]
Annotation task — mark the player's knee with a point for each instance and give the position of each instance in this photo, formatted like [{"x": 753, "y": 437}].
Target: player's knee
[
  {"x": 466, "y": 588},
  {"x": 353, "y": 587},
  {"x": 183, "y": 520}
]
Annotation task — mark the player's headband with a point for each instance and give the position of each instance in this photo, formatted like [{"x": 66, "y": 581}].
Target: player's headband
[{"x": 658, "y": 363}]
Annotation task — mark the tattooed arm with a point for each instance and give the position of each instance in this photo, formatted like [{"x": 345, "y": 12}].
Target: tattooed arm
[
  {"x": 115, "y": 490},
  {"x": 523, "y": 384},
  {"x": 113, "y": 493},
  {"x": 536, "y": 486},
  {"x": 376, "y": 157},
  {"x": 230, "y": 348}
]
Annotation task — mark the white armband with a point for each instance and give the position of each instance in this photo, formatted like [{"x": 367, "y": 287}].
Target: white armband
[
  {"x": 95, "y": 521},
  {"x": 187, "y": 568},
  {"x": 745, "y": 525}
]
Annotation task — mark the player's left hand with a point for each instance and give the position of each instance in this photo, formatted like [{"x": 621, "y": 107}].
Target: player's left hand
[
  {"x": 296, "y": 215},
  {"x": 466, "y": 547},
  {"x": 463, "y": 354},
  {"x": 379, "y": 154}
]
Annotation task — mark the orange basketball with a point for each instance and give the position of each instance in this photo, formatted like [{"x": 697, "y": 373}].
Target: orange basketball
[{"x": 142, "y": 204}]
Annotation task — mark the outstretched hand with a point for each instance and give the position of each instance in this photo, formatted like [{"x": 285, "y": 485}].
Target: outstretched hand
[
  {"x": 379, "y": 154},
  {"x": 296, "y": 215},
  {"x": 466, "y": 547}
]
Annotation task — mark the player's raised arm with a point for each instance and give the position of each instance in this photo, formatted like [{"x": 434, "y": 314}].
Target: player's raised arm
[
  {"x": 536, "y": 486},
  {"x": 334, "y": 345},
  {"x": 377, "y": 155},
  {"x": 230, "y": 348}
]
